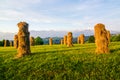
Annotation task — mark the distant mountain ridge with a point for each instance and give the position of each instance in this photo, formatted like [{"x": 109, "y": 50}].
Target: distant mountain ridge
[{"x": 51, "y": 33}]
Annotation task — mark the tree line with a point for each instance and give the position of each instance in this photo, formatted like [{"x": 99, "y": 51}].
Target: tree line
[{"x": 56, "y": 40}]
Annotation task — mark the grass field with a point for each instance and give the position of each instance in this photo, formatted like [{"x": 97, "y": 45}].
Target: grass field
[{"x": 58, "y": 62}]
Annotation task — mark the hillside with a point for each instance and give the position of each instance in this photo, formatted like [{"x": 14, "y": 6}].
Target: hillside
[{"x": 58, "y": 62}]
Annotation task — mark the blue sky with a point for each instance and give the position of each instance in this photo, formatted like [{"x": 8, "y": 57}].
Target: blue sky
[{"x": 67, "y": 15}]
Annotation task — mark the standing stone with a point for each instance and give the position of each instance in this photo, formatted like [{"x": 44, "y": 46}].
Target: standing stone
[
  {"x": 101, "y": 38},
  {"x": 23, "y": 40},
  {"x": 69, "y": 39}
]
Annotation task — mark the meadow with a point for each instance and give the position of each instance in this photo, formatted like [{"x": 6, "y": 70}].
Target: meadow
[{"x": 58, "y": 62}]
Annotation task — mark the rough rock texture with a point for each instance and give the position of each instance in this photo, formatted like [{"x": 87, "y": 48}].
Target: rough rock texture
[
  {"x": 23, "y": 40},
  {"x": 16, "y": 41},
  {"x": 32, "y": 41},
  {"x": 69, "y": 39},
  {"x": 65, "y": 40},
  {"x": 50, "y": 41},
  {"x": 101, "y": 38}
]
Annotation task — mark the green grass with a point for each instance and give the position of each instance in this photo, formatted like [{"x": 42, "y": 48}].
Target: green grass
[{"x": 58, "y": 62}]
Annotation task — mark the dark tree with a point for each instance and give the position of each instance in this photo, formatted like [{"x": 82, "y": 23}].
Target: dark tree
[
  {"x": 38, "y": 41},
  {"x": 1, "y": 43},
  {"x": 91, "y": 39}
]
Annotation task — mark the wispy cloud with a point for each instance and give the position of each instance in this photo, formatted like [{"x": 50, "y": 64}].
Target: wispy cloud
[{"x": 65, "y": 14}]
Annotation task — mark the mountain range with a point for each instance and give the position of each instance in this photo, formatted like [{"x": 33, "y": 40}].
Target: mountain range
[{"x": 50, "y": 33}]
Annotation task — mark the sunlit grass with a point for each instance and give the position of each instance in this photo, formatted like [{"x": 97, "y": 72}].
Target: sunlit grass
[{"x": 59, "y": 62}]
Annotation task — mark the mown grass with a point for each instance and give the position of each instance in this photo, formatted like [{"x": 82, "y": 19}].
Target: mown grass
[{"x": 58, "y": 62}]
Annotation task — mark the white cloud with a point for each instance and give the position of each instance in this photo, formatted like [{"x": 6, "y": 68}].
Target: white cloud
[
  {"x": 78, "y": 15},
  {"x": 8, "y": 15}
]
